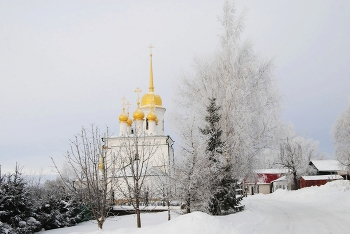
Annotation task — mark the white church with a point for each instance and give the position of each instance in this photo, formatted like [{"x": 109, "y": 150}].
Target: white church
[{"x": 141, "y": 152}]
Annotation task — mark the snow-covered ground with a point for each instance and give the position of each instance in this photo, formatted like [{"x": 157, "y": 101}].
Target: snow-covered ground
[{"x": 324, "y": 209}]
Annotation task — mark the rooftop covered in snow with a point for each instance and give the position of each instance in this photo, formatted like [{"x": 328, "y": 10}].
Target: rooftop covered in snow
[
  {"x": 323, "y": 177},
  {"x": 328, "y": 165},
  {"x": 272, "y": 171}
]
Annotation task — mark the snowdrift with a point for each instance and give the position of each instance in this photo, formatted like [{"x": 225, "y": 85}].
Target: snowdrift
[{"x": 333, "y": 198}]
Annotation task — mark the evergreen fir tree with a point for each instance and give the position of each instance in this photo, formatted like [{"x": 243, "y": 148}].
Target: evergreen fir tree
[
  {"x": 213, "y": 131},
  {"x": 15, "y": 204},
  {"x": 56, "y": 207},
  {"x": 223, "y": 199}
]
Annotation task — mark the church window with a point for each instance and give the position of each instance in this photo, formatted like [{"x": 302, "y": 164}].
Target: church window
[{"x": 146, "y": 124}]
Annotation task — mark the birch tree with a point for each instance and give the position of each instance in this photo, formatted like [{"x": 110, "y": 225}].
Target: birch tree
[
  {"x": 341, "y": 136},
  {"x": 190, "y": 170},
  {"x": 244, "y": 86}
]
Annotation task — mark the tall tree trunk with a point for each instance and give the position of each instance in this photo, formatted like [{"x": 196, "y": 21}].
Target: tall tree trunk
[
  {"x": 138, "y": 217},
  {"x": 188, "y": 204},
  {"x": 99, "y": 225},
  {"x": 168, "y": 203},
  {"x": 295, "y": 181},
  {"x": 137, "y": 201}
]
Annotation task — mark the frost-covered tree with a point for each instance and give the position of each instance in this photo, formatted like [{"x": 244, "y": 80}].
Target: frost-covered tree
[
  {"x": 213, "y": 132},
  {"x": 222, "y": 198},
  {"x": 134, "y": 155},
  {"x": 295, "y": 155},
  {"x": 244, "y": 87},
  {"x": 190, "y": 167},
  {"x": 90, "y": 163},
  {"x": 341, "y": 136},
  {"x": 16, "y": 213},
  {"x": 55, "y": 206},
  {"x": 165, "y": 183}
]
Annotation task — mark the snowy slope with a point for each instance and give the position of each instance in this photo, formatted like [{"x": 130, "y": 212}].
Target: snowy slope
[{"x": 324, "y": 209}]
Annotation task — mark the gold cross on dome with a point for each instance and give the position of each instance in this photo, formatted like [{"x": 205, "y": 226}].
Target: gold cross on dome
[
  {"x": 127, "y": 106},
  {"x": 150, "y": 48},
  {"x": 138, "y": 91},
  {"x": 123, "y": 101}
]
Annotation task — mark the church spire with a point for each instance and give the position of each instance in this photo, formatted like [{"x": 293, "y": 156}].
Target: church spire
[
  {"x": 151, "y": 96},
  {"x": 151, "y": 87}
]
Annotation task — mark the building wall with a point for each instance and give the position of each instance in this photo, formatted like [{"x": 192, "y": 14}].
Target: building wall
[
  {"x": 309, "y": 183},
  {"x": 159, "y": 111},
  {"x": 252, "y": 189},
  {"x": 268, "y": 177},
  {"x": 264, "y": 188},
  {"x": 280, "y": 185},
  {"x": 156, "y": 149},
  {"x": 158, "y": 152}
]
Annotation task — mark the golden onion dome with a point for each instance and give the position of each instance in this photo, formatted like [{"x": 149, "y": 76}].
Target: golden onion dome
[
  {"x": 138, "y": 114},
  {"x": 123, "y": 118},
  {"x": 129, "y": 122},
  {"x": 151, "y": 116},
  {"x": 101, "y": 164},
  {"x": 149, "y": 98}
]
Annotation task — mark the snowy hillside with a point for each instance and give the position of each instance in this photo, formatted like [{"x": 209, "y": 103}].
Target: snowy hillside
[{"x": 324, "y": 209}]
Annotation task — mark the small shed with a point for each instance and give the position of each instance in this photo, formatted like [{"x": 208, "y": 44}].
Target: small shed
[
  {"x": 308, "y": 181},
  {"x": 280, "y": 183}
]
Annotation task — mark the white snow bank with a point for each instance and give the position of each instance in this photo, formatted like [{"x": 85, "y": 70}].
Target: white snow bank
[
  {"x": 315, "y": 208},
  {"x": 335, "y": 193},
  {"x": 194, "y": 223}
]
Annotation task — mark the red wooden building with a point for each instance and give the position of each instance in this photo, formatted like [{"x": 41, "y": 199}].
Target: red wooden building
[
  {"x": 264, "y": 177},
  {"x": 308, "y": 181}
]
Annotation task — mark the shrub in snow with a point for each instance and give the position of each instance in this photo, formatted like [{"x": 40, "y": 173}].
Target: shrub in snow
[
  {"x": 58, "y": 210},
  {"x": 16, "y": 205},
  {"x": 6, "y": 229}
]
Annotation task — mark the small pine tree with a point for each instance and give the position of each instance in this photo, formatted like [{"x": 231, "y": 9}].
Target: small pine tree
[
  {"x": 56, "y": 207},
  {"x": 15, "y": 204},
  {"x": 223, "y": 199},
  {"x": 213, "y": 131}
]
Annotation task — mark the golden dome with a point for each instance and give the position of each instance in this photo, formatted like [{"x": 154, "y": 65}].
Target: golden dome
[
  {"x": 151, "y": 116},
  {"x": 123, "y": 118},
  {"x": 129, "y": 122},
  {"x": 138, "y": 114},
  {"x": 101, "y": 164},
  {"x": 150, "y": 97}
]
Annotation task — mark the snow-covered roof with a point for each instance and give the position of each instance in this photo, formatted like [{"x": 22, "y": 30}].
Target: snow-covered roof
[
  {"x": 328, "y": 165},
  {"x": 280, "y": 179},
  {"x": 272, "y": 171},
  {"x": 323, "y": 177}
]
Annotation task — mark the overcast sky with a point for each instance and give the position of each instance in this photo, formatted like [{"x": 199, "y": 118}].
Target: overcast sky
[{"x": 67, "y": 64}]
